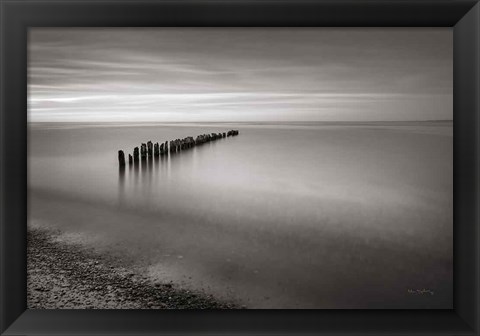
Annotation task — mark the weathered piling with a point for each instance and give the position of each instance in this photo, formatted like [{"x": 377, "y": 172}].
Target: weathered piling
[
  {"x": 189, "y": 142},
  {"x": 150, "y": 149},
  {"x": 121, "y": 158},
  {"x": 201, "y": 139},
  {"x": 177, "y": 145},
  {"x": 143, "y": 151},
  {"x": 135, "y": 154},
  {"x": 156, "y": 149},
  {"x": 130, "y": 159}
]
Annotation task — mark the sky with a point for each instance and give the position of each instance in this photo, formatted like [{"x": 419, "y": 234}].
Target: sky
[{"x": 240, "y": 74}]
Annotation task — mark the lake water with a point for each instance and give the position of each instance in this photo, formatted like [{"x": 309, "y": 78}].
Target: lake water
[{"x": 281, "y": 216}]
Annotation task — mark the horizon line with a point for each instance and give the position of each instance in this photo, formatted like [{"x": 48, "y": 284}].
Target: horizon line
[{"x": 239, "y": 122}]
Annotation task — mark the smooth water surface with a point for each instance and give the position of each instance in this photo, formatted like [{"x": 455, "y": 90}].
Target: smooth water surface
[{"x": 281, "y": 216}]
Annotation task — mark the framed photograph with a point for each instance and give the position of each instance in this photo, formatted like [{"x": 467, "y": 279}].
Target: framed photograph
[{"x": 240, "y": 167}]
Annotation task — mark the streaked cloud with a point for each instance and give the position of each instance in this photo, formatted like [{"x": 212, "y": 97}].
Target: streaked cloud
[{"x": 242, "y": 74}]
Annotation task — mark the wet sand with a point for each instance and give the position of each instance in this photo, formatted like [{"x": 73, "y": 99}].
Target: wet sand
[{"x": 69, "y": 276}]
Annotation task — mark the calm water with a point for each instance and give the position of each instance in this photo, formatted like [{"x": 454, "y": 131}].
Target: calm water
[{"x": 281, "y": 216}]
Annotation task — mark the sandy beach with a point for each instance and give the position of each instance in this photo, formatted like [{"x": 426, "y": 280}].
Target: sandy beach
[{"x": 67, "y": 276}]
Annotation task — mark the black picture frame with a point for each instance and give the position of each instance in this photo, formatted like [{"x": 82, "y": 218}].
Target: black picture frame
[{"x": 17, "y": 15}]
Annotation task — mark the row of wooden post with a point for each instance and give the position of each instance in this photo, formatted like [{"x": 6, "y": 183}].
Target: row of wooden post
[{"x": 154, "y": 150}]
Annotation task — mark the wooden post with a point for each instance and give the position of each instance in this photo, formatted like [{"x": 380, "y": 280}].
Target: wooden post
[
  {"x": 156, "y": 149},
  {"x": 191, "y": 142},
  {"x": 130, "y": 159},
  {"x": 150, "y": 149},
  {"x": 143, "y": 151},
  {"x": 121, "y": 158},
  {"x": 135, "y": 154}
]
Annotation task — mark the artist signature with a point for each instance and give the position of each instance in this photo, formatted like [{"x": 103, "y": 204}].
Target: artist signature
[{"x": 420, "y": 291}]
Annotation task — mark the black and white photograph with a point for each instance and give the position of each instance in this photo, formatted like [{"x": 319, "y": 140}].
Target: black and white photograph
[{"x": 240, "y": 168}]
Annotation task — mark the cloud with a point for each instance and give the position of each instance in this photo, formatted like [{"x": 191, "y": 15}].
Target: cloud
[{"x": 232, "y": 74}]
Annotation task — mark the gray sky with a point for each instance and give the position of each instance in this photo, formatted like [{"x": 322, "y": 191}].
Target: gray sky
[{"x": 240, "y": 74}]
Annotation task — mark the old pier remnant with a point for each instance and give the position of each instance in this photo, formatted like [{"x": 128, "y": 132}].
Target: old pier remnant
[
  {"x": 121, "y": 158},
  {"x": 135, "y": 154},
  {"x": 173, "y": 146},
  {"x": 143, "y": 151},
  {"x": 150, "y": 149}
]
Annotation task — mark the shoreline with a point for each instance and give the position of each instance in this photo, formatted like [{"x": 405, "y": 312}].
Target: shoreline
[{"x": 64, "y": 276}]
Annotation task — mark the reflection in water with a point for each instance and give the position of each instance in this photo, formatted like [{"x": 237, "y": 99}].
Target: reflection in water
[
  {"x": 144, "y": 167},
  {"x": 146, "y": 171},
  {"x": 156, "y": 160},
  {"x": 149, "y": 168},
  {"x": 136, "y": 167},
  {"x": 121, "y": 184},
  {"x": 159, "y": 170}
]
